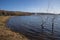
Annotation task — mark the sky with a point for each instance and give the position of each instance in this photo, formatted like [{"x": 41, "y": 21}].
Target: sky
[{"x": 51, "y": 6}]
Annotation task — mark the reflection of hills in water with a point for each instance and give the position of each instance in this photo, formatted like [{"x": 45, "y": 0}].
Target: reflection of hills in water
[{"x": 46, "y": 26}]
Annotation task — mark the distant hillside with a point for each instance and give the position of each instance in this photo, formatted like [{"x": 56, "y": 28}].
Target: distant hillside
[
  {"x": 45, "y": 14},
  {"x": 18, "y": 13},
  {"x": 12, "y": 13}
]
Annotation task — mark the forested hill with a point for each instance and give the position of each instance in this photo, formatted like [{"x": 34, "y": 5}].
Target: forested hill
[{"x": 19, "y": 13}]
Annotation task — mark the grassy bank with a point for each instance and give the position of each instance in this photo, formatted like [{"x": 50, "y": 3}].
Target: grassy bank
[{"x": 6, "y": 33}]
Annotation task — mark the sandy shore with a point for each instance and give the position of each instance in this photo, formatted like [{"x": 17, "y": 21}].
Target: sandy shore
[{"x": 6, "y": 33}]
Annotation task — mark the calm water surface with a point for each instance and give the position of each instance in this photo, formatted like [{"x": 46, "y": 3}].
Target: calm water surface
[{"x": 36, "y": 26}]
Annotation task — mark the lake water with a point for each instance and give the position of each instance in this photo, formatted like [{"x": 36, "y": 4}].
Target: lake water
[{"x": 45, "y": 26}]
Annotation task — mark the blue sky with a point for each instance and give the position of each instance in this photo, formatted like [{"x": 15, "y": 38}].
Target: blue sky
[{"x": 30, "y": 5}]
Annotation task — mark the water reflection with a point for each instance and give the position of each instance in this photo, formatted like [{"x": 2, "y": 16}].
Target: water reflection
[{"x": 43, "y": 27}]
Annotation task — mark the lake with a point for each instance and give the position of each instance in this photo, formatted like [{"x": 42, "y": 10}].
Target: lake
[{"x": 45, "y": 26}]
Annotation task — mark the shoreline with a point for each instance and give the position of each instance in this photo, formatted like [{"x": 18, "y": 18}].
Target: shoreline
[{"x": 6, "y": 33}]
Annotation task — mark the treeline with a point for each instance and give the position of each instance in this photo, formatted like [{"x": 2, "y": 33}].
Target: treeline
[
  {"x": 14, "y": 13},
  {"x": 18, "y": 13}
]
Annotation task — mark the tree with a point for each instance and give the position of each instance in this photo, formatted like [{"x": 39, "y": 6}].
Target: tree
[
  {"x": 42, "y": 26},
  {"x": 54, "y": 16}
]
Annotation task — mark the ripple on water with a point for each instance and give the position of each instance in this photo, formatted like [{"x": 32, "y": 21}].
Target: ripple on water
[{"x": 31, "y": 26}]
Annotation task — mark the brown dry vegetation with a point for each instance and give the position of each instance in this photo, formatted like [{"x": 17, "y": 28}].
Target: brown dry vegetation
[
  {"x": 7, "y": 34},
  {"x": 19, "y": 13},
  {"x": 14, "y": 13}
]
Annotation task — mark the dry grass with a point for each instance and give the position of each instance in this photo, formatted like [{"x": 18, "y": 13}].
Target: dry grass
[{"x": 7, "y": 34}]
